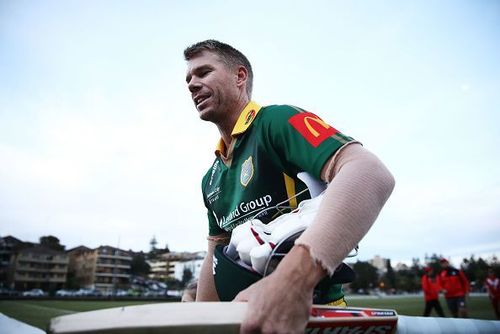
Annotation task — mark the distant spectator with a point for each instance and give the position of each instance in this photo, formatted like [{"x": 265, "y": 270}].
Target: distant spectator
[
  {"x": 492, "y": 284},
  {"x": 456, "y": 287},
  {"x": 189, "y": 294},
  {"x": 430, "y": 286}
]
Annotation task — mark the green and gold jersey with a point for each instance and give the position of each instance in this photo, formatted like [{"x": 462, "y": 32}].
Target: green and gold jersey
[
  {"x": 258, "y": 172},
  {"x": 256, "y": 177}
]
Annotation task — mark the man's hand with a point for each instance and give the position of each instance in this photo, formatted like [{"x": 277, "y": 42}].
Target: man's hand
[{"x": 281, "y": 302}]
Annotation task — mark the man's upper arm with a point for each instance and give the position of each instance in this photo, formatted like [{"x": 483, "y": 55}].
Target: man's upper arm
[
  {"x": 301, "y": 140},
  {"x": 332, "y": 165}
]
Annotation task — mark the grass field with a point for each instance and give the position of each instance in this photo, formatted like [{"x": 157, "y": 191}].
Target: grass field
[
  {"x": 479, "y": 307},
  {"x": 38, "y": 313}
]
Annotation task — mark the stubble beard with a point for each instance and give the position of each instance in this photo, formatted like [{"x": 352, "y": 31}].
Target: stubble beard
[
  {"x": 217, "y": 112},
  {"x": 209, "y": 112}
]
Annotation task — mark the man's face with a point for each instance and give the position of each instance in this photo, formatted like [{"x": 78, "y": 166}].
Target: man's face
[{"x": 212, "y": 85}]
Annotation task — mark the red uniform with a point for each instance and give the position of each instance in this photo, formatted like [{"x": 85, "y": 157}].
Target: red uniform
[
  {"x": 430, "y": 286},
  {"x": 454, "y": 282},
  {"x": 492, "y": 284}
]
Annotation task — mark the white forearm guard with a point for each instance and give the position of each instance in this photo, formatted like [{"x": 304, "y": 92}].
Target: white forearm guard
[{"x": 360, "y": 185}]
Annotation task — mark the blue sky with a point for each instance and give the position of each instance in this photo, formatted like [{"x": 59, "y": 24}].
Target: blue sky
[{"x": 100, "y": 143}]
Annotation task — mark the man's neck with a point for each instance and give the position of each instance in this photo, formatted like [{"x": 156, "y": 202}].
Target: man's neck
[{"x": 227, "y": 125}]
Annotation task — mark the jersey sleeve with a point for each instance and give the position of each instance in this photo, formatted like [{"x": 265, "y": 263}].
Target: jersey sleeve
[
  {"x": 301, "y": 139},
  {"x": 213, "y": 227}
]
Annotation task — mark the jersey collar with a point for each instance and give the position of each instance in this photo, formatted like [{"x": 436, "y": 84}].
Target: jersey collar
[{"x": 246, "y": 118}]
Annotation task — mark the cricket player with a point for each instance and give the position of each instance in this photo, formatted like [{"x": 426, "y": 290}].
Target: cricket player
[
  {"x": 261, "y": 151},
  {"x": 431, "y": 288},
  {"x": 492, "y": 285},
  {"x": 456, "y": 287}
]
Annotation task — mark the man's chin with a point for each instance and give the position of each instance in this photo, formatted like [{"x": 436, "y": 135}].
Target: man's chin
[{"x": 205, "y": 114}]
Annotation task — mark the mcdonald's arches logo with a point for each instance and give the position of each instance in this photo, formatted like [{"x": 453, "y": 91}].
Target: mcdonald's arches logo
[{"x": 311, "y": 127}]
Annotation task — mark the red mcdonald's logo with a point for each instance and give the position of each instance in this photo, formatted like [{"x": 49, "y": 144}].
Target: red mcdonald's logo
[{"x": 312, "y": 128}]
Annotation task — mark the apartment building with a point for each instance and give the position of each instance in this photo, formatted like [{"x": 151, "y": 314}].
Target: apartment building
[
  {"x": 81, "y": 268},
  {"x": 8, "y": 246},
  {"x": 38, "y": 267},
  {"x": 172, "y": 265},
  {"x": 161, "y": 269},
  {"x": 104, "y": 268},
  {"x": 112, "y": 268},
  {"x": 194, "y": 266}
]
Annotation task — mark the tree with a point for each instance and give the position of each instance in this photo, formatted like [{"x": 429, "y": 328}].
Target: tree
[
  {"x": 153, "y": 252},
  {"x": 475, "y": 271},
  {"x": 153, "y": 244},
  {"x": 389, "y": 278},
  {"x": 51, "y": 242},
  {"x": 408, "y": 280},
  {"x": 187, "y": 276},
  {"x": 433, "y": 262},
  {"x": 139, "y": 266},
  {"x": 415, "y": 265},
  {"x": 366, "y": 276}
]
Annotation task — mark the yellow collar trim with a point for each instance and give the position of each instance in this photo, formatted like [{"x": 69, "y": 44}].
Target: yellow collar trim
[
  {"x": 246, "y": 118},
  {"x": 220, "y": 147},
  {"x": 242, "y": 124}
]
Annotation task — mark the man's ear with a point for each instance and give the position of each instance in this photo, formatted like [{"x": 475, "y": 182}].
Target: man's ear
[{"x": 242, "y": 76}]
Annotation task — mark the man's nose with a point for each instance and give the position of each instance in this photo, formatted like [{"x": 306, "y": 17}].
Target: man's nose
[{"x": 194, "y": 86}]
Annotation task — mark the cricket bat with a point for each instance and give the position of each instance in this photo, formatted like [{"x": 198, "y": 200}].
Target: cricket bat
[{"x": 216, "y": 317}]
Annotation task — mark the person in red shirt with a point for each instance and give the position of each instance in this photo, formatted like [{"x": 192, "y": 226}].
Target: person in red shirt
[
  {"x": 492, "y": 284},
  {"x": 456, "y": 287},
  {"x": 430, "y": 286}
]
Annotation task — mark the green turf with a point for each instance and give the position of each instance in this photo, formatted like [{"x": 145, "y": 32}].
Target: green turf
[
  {"x": 479, "y": 307},
  {"x": 39, "y": 313}
]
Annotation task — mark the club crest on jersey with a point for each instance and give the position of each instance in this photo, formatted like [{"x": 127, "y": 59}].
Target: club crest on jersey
[
  {"x": 250, "y": 116},
  {"x": 246, "y": 171},
  {"x": 311, "y": 127}
]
